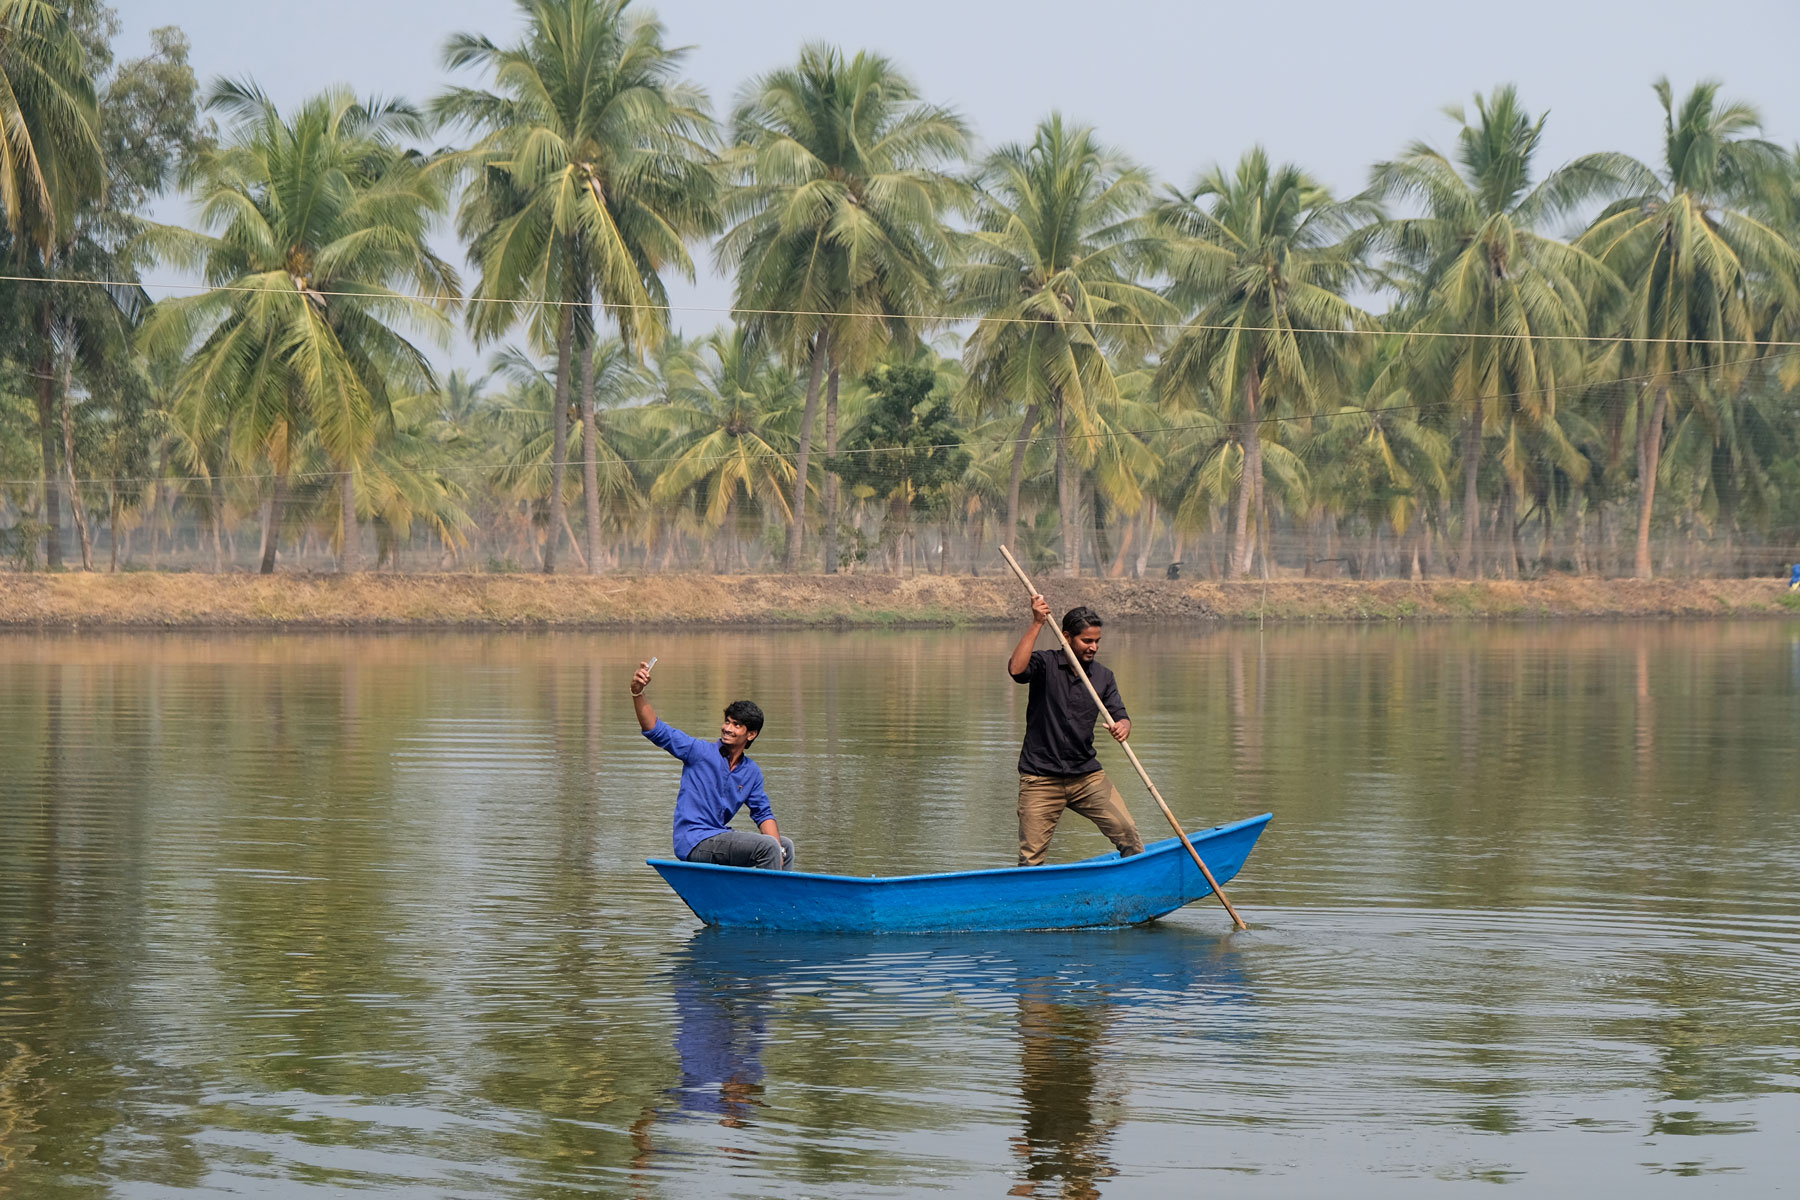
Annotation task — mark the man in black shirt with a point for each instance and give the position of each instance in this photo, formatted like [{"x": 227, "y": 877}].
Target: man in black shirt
[{"x": 1057, "y": 767}]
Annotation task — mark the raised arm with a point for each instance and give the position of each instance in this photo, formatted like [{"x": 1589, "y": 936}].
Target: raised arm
[
  {"x": 1021, "y": 655},
  {"x": 645, "y": 714}
]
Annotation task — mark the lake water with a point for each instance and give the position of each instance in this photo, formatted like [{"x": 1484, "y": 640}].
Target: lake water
[{"x": 298, "y": 916}]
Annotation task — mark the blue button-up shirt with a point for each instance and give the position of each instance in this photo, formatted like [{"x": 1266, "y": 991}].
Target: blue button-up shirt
[{"x": 711, "y": 791}]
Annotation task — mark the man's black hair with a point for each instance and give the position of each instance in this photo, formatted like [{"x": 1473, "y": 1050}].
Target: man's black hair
[
  {"x": 745, "y": 713},
  {"x": 1079, "y": 618}
]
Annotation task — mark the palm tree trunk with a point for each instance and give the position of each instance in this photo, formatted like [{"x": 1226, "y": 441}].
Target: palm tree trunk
[
  {"x": 75, "y": 508},
  {"x": 796, "y": 530},
  {"x": 1265, "y": 534},
  {"x": 1546, "y": 558},
  {"x": 900, "y": 517},
  {"x": 1093, "y": 502},
  {"x": 158, "y": 492},
  {"x": 1149, "y": 542},
  {"x": 574, "y": 542},
  {"x": 217, "y": 489},
  {"x": 1649, "y": 454},
  {"x": 727, "y": 530},
  {"x": 1466, "y": 564},
  {"x": 1020, "y": 448},
  {"x": 590, "y": 448},
  {"x": 46, "y": 400},
  {"x": 1509, "y": 544},
  {"x": 1127, "y": 535},
  {"x": 977, "y": 535},
  {"x": 1067, "y": 500},
  {"x": 277, "y": 505},
  {"x": 1240, "y": 520},
  {"x": 831, "y": 479},
  {"x": 1250, "y": 486},
  {"x": 349, "y": 551},
  {"x": 559, "y": 433}
]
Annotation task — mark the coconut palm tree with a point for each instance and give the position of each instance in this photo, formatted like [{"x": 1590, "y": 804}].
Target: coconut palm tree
[
  {"x": 1698, "y": 262},
  {"x": 837, "y": 235},
  {"x": 1260, "y": 257},
  {"x": 50, "y": 155},
  {"x": 1119, "y": 465},
  {"x": 1053, "y": 274},
  {"x": 50, "y": 163},
  {"x": 1502, "y": 302},
  {"x": 1378, "y": 456},
  {"x": 593, "y": 170},
  {"x": 727, "y": 417},
  {"x": 319, "y": 256}
]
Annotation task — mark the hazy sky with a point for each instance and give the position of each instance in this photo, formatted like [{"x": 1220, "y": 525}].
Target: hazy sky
[{"x": 1331, "y": 86}]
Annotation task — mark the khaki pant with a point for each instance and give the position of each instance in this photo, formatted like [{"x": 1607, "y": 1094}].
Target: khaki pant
[{"x": 1042, "y": 799}]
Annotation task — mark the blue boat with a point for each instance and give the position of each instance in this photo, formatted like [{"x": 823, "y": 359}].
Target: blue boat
[{"x": 1096, "y": 893}]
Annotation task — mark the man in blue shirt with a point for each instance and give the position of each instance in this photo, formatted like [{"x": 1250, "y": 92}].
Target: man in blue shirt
[{"x": 717, "y": 780}]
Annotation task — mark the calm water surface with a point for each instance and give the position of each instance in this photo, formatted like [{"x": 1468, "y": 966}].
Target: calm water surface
[{"x": 298, "y": 916}]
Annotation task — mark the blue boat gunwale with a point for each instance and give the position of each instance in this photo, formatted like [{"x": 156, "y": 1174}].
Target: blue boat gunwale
[{"x": 1109, "y": 859}]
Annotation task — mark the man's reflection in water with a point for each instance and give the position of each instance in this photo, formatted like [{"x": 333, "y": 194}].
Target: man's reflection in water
[
  {"x": 1070, "y": 992},
  {"x": 1067, "y": 1121},
  {"x": 721, "y": 1020},
  {"x": 1074, "y": 990},
  {"x": 719, "y": 1040}
]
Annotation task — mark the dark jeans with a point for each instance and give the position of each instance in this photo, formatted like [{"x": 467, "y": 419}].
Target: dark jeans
[{"x": 735, "y": 848}]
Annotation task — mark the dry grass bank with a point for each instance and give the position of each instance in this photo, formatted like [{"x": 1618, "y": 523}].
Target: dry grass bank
[{"x": 374, "y": 601}]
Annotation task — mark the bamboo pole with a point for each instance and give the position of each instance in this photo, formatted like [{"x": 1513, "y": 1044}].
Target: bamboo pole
[{"x": 1129, "y": 752}]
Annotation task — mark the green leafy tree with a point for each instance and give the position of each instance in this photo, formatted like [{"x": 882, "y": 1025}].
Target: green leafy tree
[
  {"x": 906, "y": 448},
  {"x": 1379, "y": 460},
  {"x": 318, "y": 258},
  {"x": 1260, "y": 256},
  {"x": 1507, "y": 302},
  {"x": 1053, "y": 272},
  {"x": 837, "y": 229},
  {"x": 50, "y": 153},
  {"x": 1698, "y": 263},
  {"x": 593, "y": 170},
  {"x": 727, "y": 419},
  {"x": 51, "y": 163}
]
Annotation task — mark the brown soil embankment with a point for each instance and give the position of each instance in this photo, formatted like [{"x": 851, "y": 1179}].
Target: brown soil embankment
[{"x": 377, "y": 601}]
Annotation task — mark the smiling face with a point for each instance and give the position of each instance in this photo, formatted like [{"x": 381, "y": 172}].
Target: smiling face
[
  {"x": 1086, "y": 643},
  {"x": 734, "y": 735}
]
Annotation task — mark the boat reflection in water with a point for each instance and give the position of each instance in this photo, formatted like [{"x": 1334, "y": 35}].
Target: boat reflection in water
[{"x": 862, "y": 1023}]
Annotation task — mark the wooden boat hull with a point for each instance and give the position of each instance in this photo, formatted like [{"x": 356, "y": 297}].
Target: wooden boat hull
[{"x": 1102, "y": 892}]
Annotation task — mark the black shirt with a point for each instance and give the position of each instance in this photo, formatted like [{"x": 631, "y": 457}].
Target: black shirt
[{"x": 1060, "y": 715}]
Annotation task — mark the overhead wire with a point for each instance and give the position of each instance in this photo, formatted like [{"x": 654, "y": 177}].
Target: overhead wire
[
  {"x": 1218, "y": 424},
  {"x": 945, "y": 318}
]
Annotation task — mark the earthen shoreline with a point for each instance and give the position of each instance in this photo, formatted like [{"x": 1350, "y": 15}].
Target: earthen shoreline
[{"x": 373, "y": 601}]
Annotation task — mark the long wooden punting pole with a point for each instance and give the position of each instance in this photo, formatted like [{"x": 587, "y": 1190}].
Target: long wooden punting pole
[{"x": 1129, "y": 752}]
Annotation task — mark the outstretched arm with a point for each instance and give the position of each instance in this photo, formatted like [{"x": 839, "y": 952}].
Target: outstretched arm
[
  {"x": 645, "y": 714},
  {"x": 1021, "y": 655}
]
